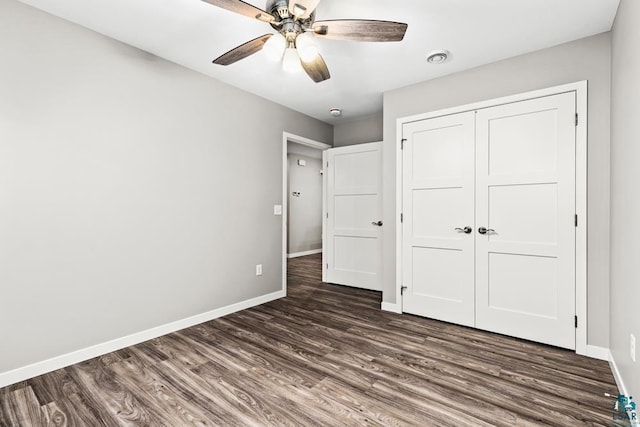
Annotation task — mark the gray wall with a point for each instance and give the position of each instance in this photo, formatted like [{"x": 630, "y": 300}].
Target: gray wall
[
  {"x": 586, "y": 59},
  {"x": 358, "y": 131},
  {"x": 305, "y": 212},
  {"x": 625, "y": 205},
  {"x": 133, "y": 192}
]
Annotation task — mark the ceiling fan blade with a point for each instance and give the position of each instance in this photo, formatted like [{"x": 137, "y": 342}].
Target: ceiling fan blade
[
  {"x": 238, "y": 6},
  {"x": 360, "y": 30},
  {"x": 242, "y": 51},
  {"x": 302, "y": 8},
  {"x": 317, "y": 69}
]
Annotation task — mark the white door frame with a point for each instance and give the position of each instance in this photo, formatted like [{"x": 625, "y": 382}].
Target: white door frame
[
  {"x": 289, "y": 137},
  {"x": 580, "y": 88}
]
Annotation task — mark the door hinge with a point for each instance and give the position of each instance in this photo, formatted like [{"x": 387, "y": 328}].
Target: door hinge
[
  {"x": 402, "y": 141},
  {"x": 576, "y": 321},
  {"x": 401, "y": 217},
  {"x": 402, "y": 288},
  {"x": 327, "y": 215},
  {"x": 327, "y": 266},
  {"x": 576, "y": 119},
  {"x": 576, "y": 220}
]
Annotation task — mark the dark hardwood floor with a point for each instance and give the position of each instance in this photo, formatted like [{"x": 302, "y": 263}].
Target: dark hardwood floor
[{"x": 324, "y": 355}]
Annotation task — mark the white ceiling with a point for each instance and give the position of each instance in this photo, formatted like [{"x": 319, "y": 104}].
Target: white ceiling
[{"x": 192, "y": 33}]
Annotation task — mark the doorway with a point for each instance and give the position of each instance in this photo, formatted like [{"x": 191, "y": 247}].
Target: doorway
[{"x": 302, "y": 198}]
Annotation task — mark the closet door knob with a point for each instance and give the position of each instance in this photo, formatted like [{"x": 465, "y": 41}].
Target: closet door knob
[
  {"x": 466, "y": 230},
  {"x": 483, "y": 230}
]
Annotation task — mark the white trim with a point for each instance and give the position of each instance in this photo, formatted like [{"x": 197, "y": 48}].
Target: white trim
[
  {"x": 596, "y": 352},
  {"x": 555, "y": 90},
  {"x": 325, "y": 182},
  {"x": 393, "y": 308},
  {"x": 289, "y": 137},
  {"x": 581, "y": 211},
  {"x": 286, "y": 136},
  {"x": 581, "y": 189},
  {"x": 58, "y": 362},
  {"x": 399, "y": 231},
  {"x": 622, "y": 389},
  {"x": 305, "y": 253}
]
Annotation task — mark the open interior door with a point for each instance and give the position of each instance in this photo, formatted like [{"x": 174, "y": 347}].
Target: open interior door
[{"x": 353, "y": 216}]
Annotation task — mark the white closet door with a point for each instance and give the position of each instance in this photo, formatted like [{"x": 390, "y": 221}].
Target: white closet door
[
  {"x": 525, "y": 193},
  {"x": 354, "y": 224},
  {"x": 438, "y": 193}
]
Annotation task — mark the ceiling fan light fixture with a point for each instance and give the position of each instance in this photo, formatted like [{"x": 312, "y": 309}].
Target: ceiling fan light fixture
[
  {"x": 307, "y": 49},
  {"x": 291, "y": 61},
  {"x": 274, "y": 47}
]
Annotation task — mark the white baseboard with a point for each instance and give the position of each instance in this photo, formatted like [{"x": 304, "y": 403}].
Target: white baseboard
[
  {"x": 616, "y": 375},
  {"x": 394, "y": 308},
  {"x": 58, "y": 362},
  {"x": 622, "y": 389},
  {"x": 596, "y": 352},
  {"x": 305, "y": 253}
]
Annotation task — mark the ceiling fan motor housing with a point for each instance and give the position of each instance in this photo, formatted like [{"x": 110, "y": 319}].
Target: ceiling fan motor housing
[
  {"x": 290, "y": 29},
  {"x": 280, "y": 8}
]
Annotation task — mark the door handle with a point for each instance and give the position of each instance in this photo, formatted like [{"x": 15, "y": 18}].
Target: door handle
[
  {"x": 378, "y": 223},
  {"x": 466, "y": 230},
  {"x": 483, "y": 230}
]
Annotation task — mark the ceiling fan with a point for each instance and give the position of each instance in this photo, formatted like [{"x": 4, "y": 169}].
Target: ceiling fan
[{"x": 294, "y": 21}]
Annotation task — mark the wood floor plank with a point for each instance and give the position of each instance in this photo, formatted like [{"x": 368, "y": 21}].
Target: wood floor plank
[
  {"x": 544, "y": 380},
  {"x": 153, "y": 393},
  {"x": 89, "y": 411},
  {"x": 253, "y": 399},
  {"x": 121, "y": 405},
  {"x": 324, "y": 355},
  {"x": 417, "y": 373},
  {"x": 518, "y": 350},
  {"x": 52, "y": 391},
  {"x": 22, "y": 408},
  {"x": 322, "y": 410},
  {"x": 243, "y": 356},
  {"x": 54, "y": 416}
]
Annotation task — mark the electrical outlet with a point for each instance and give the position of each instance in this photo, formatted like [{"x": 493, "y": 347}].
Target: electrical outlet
[
  {"x": 258, "y": 269},
  {"x": 632, "y": 347}
]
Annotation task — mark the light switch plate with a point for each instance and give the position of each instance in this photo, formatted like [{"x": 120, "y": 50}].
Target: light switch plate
[{"x": 277, "y": 209}]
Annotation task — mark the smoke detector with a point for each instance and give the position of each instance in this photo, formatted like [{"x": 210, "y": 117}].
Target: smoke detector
[{"x": 335, "y": 112}]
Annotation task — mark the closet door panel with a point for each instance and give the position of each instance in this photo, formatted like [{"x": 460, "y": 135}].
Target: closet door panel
[
  {"x": 438, "y": 159},
  {"x": 525, "y": 196}
]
